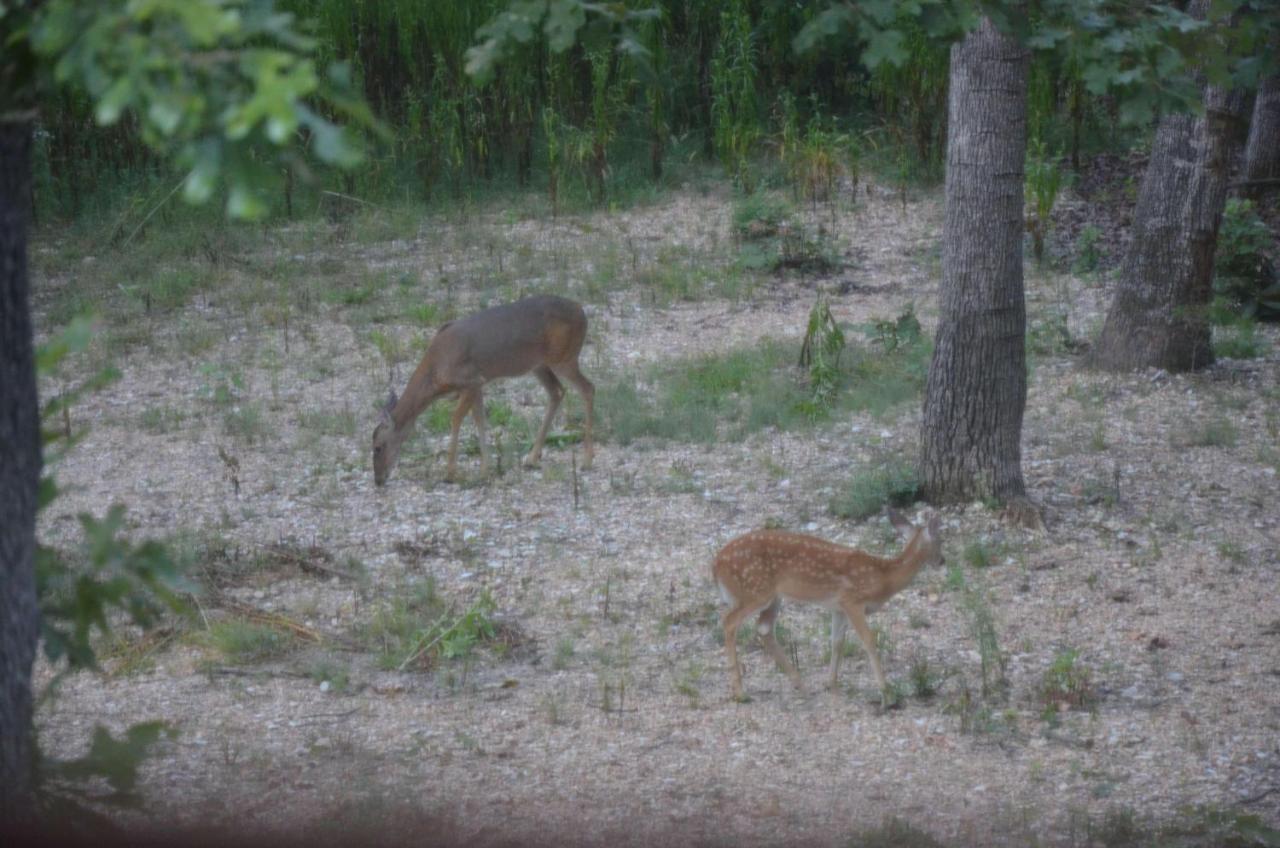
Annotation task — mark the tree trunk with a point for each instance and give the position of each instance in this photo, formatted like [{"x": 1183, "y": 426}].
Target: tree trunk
[
  {"x": 19, "y": 478},
  {"x": 1262, "y": 153},
  {"x": 971, "y": 439},
  {"x": 1159, "y": 318}
]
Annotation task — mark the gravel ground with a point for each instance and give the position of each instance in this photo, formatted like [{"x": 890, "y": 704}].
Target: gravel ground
[{"x": 609, "y": 719}]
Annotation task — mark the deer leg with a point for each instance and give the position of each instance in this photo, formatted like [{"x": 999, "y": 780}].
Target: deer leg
[
  {"x": 569, "y": 371},
  {"x": 465, "y": 399},
  {"x": 764, "y": 626},
  {"x": 859, "y": 621},
  {"x": 482, "y": 426},
  {"x": 839, "y": 624},
  {"x": 730, "y": 622},
  {"x": 555, "y": 392}
]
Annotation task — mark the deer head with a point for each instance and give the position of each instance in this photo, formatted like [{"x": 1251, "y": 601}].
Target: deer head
[{"x": 386, "y": 442}]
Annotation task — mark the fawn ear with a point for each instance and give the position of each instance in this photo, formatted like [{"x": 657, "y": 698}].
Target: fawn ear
[{"x": 899, "y": 521}]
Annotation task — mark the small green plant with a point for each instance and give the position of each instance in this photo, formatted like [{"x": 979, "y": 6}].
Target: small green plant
[
  {"x": 982, "y": 629},
  {"x": 565, "y": 650},
  {"x": 1088, "y": 256},
  {"x": 925, "y": 680},
  {"x": 1214, "y": 433},
  {"x": 338, "y": 676},
  {"x": 1044, "y": 179},
  {"x": 760, "y": 215},
  {"x": 891, "y": 482},
  {"x": 243, "y": 641},
  {"x": 820, "y": 355},
  {"x": 1066, "y": 684},
  {"x": 1244, "y": 274},
  {"x": 219, "y": 385},
  {"x": 1238, "y": 339}
]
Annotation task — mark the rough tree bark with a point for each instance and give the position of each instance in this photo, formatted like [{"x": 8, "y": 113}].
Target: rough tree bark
[
  {"x": 971, "y": 438},
  {"x": 1262, "y": 153},
  {"x": 19, "y": 478},
  {"x": 1159, "y": 317}
]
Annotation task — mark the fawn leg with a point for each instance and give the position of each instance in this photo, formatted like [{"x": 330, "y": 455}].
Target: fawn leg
[
  {"x": 856, "y": 617},
  {"x": 555, "y": 392},
  {"x": 839, "y": 624},
  {"x": 730, "y": 622},
  {"x": 764, "y": 626}
]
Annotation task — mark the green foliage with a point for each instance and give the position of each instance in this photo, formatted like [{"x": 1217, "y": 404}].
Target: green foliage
[
  {"x": 1066, "y": 684},
  {"x": 705, "y": 398},
  {"x": 735, "y": 110},
  {"x": 82, "y": 592},
  {"x": 760, "y": 215},
  {"x": 1088, "y": 256},
  {"x": 1044, "y": 179},
  {"x": 243, "y": 641},
  {"x": 418, "y": 628},
  {"x": 820, "y": 354},
  {"x": 1244, "y": 273},
  {"x": 66, "y": 789},
  {"x": 1239, "y": 339},
  {"x": 79, "y": 590},
  {"x": 889, "y": 481},
  {"x": 982, "y": 629},
  {"x": 211, "y": 84}
]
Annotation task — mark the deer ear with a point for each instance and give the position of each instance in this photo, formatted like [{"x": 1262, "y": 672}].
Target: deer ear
[
  {"x": 934, "y": 526},
  {"x": 899, "y": 521},
  {"x": 392, "y": 400}
]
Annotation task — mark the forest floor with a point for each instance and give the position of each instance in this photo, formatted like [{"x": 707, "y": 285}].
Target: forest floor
[{"x": 1112, "y": 679}]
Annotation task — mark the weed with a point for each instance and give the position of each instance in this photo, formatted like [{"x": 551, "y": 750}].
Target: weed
[
  {"x": 1238, "y": 339},
  {"x": 1066, "y": 684},
  {"x": 1088, "y": 257},
  {"x": 982, "y": 629},
  {"x": 243, "y": 641},
  {"x": 925, "y": 680},
  {"x": 1044, "y": 179},
  {"x": 1215, "y": 433},
  {"x": 891, "y": 481},
  {"x": 162, "y": 419},
  {"x": 338, "y": 676},
  {"x": 565, "y": 650}
]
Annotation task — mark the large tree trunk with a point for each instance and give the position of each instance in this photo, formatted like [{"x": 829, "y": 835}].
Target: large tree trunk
[
  {"x": 19, "y": 477},
  {"x": 971, "y": 439},
  {"x": 1159, "y": 318},
  {"x": 1262, "y": 153}
]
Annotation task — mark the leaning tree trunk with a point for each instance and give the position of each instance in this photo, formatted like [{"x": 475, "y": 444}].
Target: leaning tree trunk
[
  {"x": 1159, "y": 318},
  {"x": 1262, "y": 153},
  {"x": 971, "y": 439},
  {"x": 19, "y": 477}
]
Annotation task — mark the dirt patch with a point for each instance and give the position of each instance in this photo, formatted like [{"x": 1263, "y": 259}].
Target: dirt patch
[{"x": 608, "y": 708}]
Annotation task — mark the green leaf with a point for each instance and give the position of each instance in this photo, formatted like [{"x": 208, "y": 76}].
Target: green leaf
[
  {"x": 564, "y": 19},
  {"x": 885, "y": 46},
  {"x": 244, "y": 203},
  {"x": 117, "y": 97},
  {"x": 198, "y": 186}
]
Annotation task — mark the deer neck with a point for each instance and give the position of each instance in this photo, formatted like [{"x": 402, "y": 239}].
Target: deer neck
[
  {"x": 417, "y": 397},
  {"x": 901, "y": 570}
]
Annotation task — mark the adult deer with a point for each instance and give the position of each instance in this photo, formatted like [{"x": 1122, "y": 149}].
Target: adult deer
[
  {"x": 542, "y": 334},
  {"x": 756, "y": 570}
]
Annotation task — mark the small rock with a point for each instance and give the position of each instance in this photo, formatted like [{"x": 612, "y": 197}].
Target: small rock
[
  {"x": 1174, "y": 676},
  {"x": 324, "y": 686}
]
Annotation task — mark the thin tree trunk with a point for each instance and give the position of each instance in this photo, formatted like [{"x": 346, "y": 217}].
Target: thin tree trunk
[
  {"x": 1159, "y": 318},
  {"x": 971, "y": 439},
  {"x": 1262, "y": 153},
  {"x": 19, "y": 478}
]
